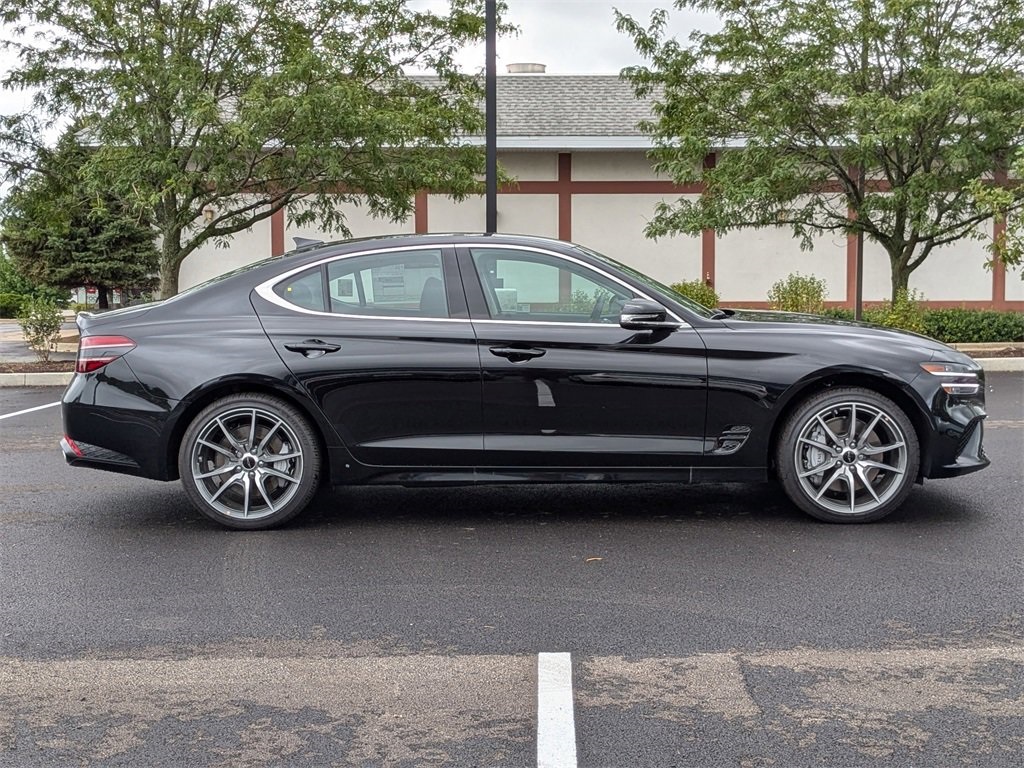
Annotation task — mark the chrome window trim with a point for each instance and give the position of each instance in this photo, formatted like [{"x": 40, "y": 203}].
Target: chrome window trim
[
  {"x": 557, "y": 255},
  {"x": 266, "y": 289}
]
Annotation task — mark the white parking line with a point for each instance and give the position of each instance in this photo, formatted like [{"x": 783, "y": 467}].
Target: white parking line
[
  {"x": 29, "y": 410},
  {"x": 556, "y": 727}
]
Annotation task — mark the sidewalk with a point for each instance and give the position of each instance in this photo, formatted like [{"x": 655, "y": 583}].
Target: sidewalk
[{"x": 13, "y": 349}]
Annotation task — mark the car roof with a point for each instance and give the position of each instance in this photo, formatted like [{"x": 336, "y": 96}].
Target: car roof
[{"x": 340, "y": 246}]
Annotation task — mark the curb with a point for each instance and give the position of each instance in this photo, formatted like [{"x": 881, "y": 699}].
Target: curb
[
  {"x": 1001, "y": 364},
  {"x": 989, "y": 364},
  {"x": 52, "y": 379}
]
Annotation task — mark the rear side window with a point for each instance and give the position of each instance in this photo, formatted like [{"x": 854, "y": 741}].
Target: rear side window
[
  {"x": 305, "y": 289},
  {"x": 393, "y": 284}
]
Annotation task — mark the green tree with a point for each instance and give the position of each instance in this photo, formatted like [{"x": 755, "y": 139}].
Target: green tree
[
  {"x": 1004, "y": 200},
  {"x": 210, "y": 115},
  {"x": 923, "y": 96},
  {"x": 60, "y": 232}
]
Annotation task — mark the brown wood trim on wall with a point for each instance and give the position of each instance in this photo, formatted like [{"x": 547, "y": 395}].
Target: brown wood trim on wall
[
  {"x": 708, "y": 236},
  {"x": 998, "y": 267},
  {"x": 564, "y": 184},
  {"x": 421, "y": 220},
  {"x": 277, "y": 232},
  {"x": 851, "y": 263},
  {"x": 600, "y": 187}
]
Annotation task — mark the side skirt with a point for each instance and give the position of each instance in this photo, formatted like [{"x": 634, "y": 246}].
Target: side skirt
[{"x": 413, "y": 476}]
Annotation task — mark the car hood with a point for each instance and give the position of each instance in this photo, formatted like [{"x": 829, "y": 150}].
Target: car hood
[{"x": 828, "y": 326}]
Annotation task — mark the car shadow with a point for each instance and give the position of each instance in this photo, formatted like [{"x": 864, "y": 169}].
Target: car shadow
[{"x": 757, "y": 505}]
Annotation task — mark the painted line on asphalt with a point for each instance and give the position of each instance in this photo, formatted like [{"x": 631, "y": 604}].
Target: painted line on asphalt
[
  {"x": 556, "y": 727},
  {"x": 29, "y": 410}
]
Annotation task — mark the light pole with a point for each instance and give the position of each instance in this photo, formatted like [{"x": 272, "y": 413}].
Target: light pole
[
  {"x": 858, "y": 302},
  {"x": 490, "y": 107}
]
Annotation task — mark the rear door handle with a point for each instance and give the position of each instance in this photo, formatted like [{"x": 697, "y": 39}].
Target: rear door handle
[
  {"x": 517, "y": 354},
  {"x": 312, "y": 347}
]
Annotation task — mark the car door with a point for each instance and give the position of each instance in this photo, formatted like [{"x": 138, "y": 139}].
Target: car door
[
  {"x": 563, "y": 384},
  {"x": 382, "y": 342}
]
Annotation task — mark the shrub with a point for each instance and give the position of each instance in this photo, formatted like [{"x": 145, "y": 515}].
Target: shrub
[
  {"x": 10, "y": 304},
  {"x": 40, "y": 321},
  {"x": 965, "y": 326},
  {"x": 799, "y": 293},
  {"x": 951, "y": 326},
  {"x": 698, "y": 291},
  {"x": 905, "y": 312},
  {"x": 838, "y": 313}
]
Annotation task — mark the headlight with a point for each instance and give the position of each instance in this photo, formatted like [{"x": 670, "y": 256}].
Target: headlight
[{"x": 957, "y": 378}]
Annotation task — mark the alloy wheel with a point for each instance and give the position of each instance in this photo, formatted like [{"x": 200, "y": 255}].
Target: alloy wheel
[
  {"x": 850, "y": 458},
  {"x": 247, "y": 463}
]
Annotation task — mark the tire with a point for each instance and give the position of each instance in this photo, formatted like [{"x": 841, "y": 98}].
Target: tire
[
  {"x": 249, "y": 461},
  {"x": 858, "y": 482}
]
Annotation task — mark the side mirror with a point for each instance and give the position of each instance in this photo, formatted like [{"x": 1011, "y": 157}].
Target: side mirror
[{"x": 645, "y": 315}]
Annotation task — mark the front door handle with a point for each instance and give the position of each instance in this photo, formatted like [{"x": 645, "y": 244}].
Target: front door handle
[
  {"x": 312, "y": 347},
  {"x": 517, "y": 354}
]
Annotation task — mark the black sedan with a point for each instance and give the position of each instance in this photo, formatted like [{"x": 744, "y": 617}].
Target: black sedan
[{"x": 455, "y": 359}]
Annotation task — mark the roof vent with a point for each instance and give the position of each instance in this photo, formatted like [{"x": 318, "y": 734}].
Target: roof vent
[{"x": 526, "y": 68}]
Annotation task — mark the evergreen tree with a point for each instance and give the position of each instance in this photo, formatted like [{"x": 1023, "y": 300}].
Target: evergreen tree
[{"x": 59, "y": 231}]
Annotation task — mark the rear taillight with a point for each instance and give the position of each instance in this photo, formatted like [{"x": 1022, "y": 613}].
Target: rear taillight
[{"x": 96, "y": 351}]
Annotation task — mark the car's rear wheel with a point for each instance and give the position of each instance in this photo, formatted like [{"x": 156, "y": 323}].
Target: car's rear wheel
[
  {"x": 848, "y": 455},
  {"x": 249, "y": 461}
]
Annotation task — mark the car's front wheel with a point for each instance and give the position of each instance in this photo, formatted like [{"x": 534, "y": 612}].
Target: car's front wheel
[
  {"x": 848, "y": 455},
  {"x": 249, "y": 461}
]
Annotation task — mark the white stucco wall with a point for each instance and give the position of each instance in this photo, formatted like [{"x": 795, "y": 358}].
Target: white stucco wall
[
  {"x": 530, "y": 166},
  {"x": 749, "y": 261},
  {"x": 359, "y": 220},
  {"x": 954, "y": 272},
  {"x": 1014, "y": 280},
  {"x": 517, "y": 214},
  {"x": 209, "y": 260},
  {"x": 1014, "y": 285},
  {"x": 612, "y": 166},
  {"x": 614, "y": 225}
]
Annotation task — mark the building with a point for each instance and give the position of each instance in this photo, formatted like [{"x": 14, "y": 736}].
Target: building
[{"x": 582, "y": 174}]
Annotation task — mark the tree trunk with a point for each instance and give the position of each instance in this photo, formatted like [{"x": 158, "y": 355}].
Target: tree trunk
[
  {"x": 900, "y": 280},
  {"x": 170, "y": 263},
  {"x": 102, "y": 297},
  {"x": 899, "y": 267}
]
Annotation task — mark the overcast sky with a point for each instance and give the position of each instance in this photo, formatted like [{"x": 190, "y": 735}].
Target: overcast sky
[
  {"x": 569, "y": 36},
  {"x": 574, "y": 36}
]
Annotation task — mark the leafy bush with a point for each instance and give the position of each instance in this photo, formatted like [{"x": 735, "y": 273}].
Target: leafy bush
[
  {"x": 905, "y": 312},
  {"x": 11, "y": 280},
  {"x": 799, "y": 293},
  {"x": 838, "y": 313},
  {"x": 966, "y": 326},
  {"x": 952, "y": 326},
  {"x": 697, "y": 290},
  {"x": 40, "y": 321},
  {"x": 10, "y": 304}
]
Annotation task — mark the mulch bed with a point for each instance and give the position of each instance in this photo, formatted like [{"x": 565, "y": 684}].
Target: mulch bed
[
  {"x": 53, "y": 366},
  {"x": 1008, "y": 352}
]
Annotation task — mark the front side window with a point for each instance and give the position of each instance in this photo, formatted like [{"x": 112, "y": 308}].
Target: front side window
[{"x": 527, "y": 285}]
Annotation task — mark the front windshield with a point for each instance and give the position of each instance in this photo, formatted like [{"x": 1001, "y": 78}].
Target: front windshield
[{"x": 650, "y": 282}]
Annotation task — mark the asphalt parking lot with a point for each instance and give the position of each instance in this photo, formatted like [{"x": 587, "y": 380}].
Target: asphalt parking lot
[{"x": 706, "y": 626}]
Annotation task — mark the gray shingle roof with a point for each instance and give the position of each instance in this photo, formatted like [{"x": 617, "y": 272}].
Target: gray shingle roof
[{"x": 568, "y": 105}]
